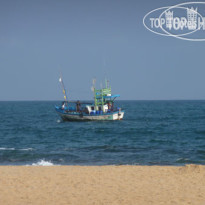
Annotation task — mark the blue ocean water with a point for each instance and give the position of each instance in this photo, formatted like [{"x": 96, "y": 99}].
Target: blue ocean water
[{"x": 152, "y": 133}]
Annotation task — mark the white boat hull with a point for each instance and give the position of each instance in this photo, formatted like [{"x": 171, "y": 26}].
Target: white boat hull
[{"x": 81, "y": 117}]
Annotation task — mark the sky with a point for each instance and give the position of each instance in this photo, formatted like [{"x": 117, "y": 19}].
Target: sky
[{"x": 93, "y": 39}]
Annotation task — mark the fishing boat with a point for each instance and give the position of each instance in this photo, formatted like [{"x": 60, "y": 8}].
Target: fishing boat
[{"x": 101, "y": 109}]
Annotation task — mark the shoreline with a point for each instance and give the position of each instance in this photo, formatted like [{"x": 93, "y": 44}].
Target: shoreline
[{"x": 110, "y": 184}]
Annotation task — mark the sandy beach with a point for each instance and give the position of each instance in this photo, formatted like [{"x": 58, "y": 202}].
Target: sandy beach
[{"x": 102, "y": 185}]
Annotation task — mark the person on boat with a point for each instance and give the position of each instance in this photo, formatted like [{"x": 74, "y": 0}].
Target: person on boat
[
  {"x": 63, "y": 105},
  {"x": 78, "y": 106},
  {"x": 112, "y": 106},
  {"x": 109, "y": 106}
]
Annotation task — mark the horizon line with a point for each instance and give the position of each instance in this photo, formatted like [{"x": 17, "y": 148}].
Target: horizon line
[{"x": 116, "y": 100}]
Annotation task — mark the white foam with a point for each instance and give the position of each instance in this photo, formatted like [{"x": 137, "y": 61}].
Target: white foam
[
  {"x": 43, "y": 163},
  {"x": 4, "y": 148},
  {"x": 24, "y": 149},
  {"x": 27, "y": 149}
]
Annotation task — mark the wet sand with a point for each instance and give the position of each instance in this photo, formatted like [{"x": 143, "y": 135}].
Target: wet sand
[{"x": 137, "y": 185}]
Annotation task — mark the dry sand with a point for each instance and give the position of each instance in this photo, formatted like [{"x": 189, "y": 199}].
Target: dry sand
[{"x": 102, "y": 185}]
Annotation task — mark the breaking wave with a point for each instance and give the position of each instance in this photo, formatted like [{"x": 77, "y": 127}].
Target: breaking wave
[{"x": 43, "y": 163}]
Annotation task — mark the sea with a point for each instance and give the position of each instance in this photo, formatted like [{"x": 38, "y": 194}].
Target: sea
[{"x": 151, "y": 133}]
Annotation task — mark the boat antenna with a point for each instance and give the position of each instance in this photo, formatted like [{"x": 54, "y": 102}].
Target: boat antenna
[
  {"x": 93, "y": 86},
  {"x": 63, "y": 87},
  {"x": 106, "y": 83},
  {"x": 93, "y": 90}
]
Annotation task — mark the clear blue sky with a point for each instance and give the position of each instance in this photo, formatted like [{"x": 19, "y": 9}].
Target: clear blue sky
[{"x": 86, "y": 39}]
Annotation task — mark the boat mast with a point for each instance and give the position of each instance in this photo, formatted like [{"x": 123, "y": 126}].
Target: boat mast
[{"x": 63, "y": 88}]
